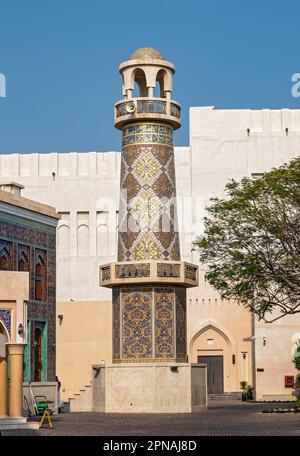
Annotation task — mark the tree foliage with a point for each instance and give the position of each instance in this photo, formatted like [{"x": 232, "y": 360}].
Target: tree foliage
[{"x": 251, "y": 242}]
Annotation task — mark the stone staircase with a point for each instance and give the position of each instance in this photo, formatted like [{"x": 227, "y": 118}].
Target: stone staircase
[
  {"x": 233, "y": 396},
  {"x": 82, "y": 401}
]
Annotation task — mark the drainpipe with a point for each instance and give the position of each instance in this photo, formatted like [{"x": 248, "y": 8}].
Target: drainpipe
[{"x": 253, "y": 338}]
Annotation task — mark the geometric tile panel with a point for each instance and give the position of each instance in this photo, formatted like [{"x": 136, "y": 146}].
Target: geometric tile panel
[
  {"x": 5, "y": 318},
  {"x": 149, "y": 324},
  {"x": 136, "y": 323},
  {"x": 181, "y": 323},
  {"x": 148, "y": 217},
  {"x": 164, "y": 323}
]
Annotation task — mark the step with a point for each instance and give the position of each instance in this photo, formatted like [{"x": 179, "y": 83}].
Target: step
[
  {"x": 17, "y": 423},
  {"x": 225, "y": 396},
  {"x": 82, "y": 401}
]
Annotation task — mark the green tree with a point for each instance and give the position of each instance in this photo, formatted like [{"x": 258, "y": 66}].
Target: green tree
[{"x": 251, "y": 242}]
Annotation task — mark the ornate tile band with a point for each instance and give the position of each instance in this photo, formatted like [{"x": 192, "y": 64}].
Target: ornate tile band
[{"x": 147, "y": 133}]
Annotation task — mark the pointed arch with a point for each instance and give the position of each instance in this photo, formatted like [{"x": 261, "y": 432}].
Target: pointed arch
[
  {"x": 6, "y": 256},
  {"x": 23, "y": 261},
  {"x": 40, "y": 278},
  {"x": 4, "y": 339},
  {"x": 214, "y": 325},
  {"x": 4, "y": 330}
]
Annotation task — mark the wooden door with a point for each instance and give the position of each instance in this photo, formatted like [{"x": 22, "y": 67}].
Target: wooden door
[
  {"x": 37, "y": 355},
  {"x": 215, "y": 373}
]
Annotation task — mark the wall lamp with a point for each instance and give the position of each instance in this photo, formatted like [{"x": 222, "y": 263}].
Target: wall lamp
[{"x": 21, "y": 330}]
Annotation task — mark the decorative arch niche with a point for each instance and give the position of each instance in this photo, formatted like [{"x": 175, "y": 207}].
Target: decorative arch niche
[
  {"x": 5, "y": 256},
  {"x": 215, "y": 326},
  {"x": 40, "y": 278},
  {"x": 4, "y": 338}
]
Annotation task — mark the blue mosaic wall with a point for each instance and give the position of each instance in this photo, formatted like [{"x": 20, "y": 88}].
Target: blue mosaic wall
[{"x": 33, "y": 239}]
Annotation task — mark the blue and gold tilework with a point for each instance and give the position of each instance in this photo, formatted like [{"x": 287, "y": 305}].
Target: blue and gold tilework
[{"x": 147, "y": 133}]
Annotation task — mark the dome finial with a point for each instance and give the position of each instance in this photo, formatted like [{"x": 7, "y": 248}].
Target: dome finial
[{"x": 146, "y": 53}]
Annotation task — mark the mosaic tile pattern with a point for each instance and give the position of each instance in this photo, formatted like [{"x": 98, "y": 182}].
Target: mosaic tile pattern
[
  {"x": 164, "y": 323},
  {"x": 36, "y": 237},
  {"x": 147, "y": 133},
  {"x": 181, "y": 323},
  {"x": 148, "y": 217},
  {"x": 149, "y": 324},
  {"x": 146, "y": 326},
  {"x": 136, "y": 323},
  {"x": 116, "y": 323},
  {"x": 5, "y": 318}
]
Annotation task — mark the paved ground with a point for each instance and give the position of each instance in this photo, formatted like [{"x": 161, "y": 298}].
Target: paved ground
[{"x": 231, "y": 418}]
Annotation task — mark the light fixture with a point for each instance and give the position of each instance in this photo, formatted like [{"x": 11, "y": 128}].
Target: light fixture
[
  {"x": 264, "y": 341},
  {"x": 174, "y": 368},
  {"x": 60, "y": 317},
  {"x": 20, "y": 330}
]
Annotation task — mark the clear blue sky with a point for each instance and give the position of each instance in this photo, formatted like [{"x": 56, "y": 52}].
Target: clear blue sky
[{"x": 61, "y": 57}]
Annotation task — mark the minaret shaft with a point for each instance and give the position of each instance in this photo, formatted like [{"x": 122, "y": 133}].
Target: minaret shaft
[
  {"x": 147, "y": 216},
  {"x": 149, "y": 281}
]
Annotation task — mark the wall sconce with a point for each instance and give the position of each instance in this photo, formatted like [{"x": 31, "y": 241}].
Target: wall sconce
[
  {"x": 21, "y": 330},
  {"x": 244, "y": 355},
  {"x": 174, "y": 368},
  {"x": 60, "y": 317},
  {"x": 264, "y": 341}
]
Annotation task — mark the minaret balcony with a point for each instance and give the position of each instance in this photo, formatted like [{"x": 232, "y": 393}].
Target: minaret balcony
[
  {"x": 141, "y": 109},
  {"x": 149, "y": 272}
]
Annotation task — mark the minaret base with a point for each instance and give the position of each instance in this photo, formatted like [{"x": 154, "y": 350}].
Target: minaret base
[{"x": 149, "y": 388}]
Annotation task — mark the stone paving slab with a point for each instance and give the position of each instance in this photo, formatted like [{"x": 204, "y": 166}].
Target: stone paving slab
[{"x": 230, "y": 418}]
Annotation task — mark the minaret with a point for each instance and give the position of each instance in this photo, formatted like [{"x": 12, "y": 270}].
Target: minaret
[{"x": 149, "y": 281}]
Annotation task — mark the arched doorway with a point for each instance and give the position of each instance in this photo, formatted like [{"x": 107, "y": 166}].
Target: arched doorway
[
  {"x": 213, "y": 346},
  {"x": 37, "y": 355}
]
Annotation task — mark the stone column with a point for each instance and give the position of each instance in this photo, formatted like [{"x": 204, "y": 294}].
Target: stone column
[
  {"x": 16, "y": 353},
  {"x": 3, "y": 387}
]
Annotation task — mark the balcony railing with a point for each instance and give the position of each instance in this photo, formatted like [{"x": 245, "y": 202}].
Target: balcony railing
[{"x": 147, "y": 108}]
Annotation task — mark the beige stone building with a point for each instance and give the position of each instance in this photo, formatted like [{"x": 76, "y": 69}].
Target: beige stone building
[{"x": 84, "y": 189}]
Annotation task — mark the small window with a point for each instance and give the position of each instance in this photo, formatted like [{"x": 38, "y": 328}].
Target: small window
[
  {"x": 23, "y": 255},
  {"x": 40, "y": 279},
  {"x": 6, "y": 255},
  {"x": 3, "y": 263}
]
